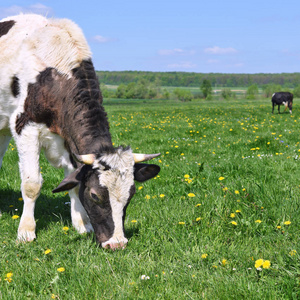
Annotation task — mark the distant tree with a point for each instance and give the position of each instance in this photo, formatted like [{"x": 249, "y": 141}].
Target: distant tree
[
  {"x": 226, "y": 93},
  {"x": 206, "y": 88},
  {"x": 183, "y": 95},
  {"x": 252, "y": 92},
  {"x": 296, "y": 91},
  {"x": 270, "y": 89}
]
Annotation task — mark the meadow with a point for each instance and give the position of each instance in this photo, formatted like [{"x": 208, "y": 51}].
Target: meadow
[{"x": 220, "y": 221}]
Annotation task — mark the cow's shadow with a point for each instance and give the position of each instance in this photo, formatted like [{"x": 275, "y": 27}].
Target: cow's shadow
[{"x": 47, "y": 211}]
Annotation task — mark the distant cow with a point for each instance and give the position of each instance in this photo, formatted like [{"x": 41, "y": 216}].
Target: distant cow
[
  {"x": 282, "y": 98},
  {"x": 50, "y": 99}
]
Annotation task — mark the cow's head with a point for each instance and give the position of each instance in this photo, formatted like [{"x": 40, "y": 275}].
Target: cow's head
[{"x": 106, "y": 187}]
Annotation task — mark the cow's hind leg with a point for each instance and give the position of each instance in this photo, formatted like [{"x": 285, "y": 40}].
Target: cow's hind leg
[
  {"x": 29, "y": 151},
  {"x": 4, "y": 141}
]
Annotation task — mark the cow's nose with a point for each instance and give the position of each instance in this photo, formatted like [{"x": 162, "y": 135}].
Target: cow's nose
[{"x": 114, "y": 245}]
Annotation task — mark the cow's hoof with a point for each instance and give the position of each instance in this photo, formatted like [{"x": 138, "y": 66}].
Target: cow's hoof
[
  {"x": 84, "y": 228},
  {"x": 25, "y": 236}
]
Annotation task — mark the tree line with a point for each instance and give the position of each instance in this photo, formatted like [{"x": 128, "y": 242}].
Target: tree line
[{"x": 186, "y": 79}]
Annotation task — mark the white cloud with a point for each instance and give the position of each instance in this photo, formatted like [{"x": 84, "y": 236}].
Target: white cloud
[
  {"x": 219, "y": 50},
  {"x": 176, "y": 51},
  {"x": 182, "y": 66},
  {"x": 213, "y": 61},
  {"x": 101, "y": 39},
  {"x": 37, "y": 8}
]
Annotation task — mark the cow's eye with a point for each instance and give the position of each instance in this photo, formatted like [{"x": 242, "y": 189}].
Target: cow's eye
[{"x": 95, "y": 198}]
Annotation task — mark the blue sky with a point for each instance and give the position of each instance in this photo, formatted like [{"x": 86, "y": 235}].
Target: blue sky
[{"x": 188, "y": 35}]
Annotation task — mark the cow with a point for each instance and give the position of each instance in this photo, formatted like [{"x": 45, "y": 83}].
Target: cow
[
  {"x": 50, "y": 99},
  {"x": 282, "y": 98}
]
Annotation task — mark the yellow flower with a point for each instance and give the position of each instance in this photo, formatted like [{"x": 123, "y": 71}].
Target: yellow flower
[
  {"x": 48, "y": 251},
  {"x": 140, "y": 187},
  {"x": 186, "y": 176},
  {"x": 237, "y": 192},
  {"x": 259, "y": 263},
  {"x": 191, "y": 195},
  {"x": 287, "y": 222},
  {"x": 20, "y": 199},
  {"x": 181, "y": 223},
  {"x": 224, "y": 262},
  {"x": 293, "y": 252},
  {"x": 278, "y": 227},
  {"x": 61, "y": 269},
  {"x": 232, "y": 215},
  {"x": 15, "y": 217},
  {"x": 197, "y": 205},
  {"x": 221, "y": 178},
  {"x": 66, "y": 228},
  {"x": 147, "y": 197},
  {"x": 8, "y": 277},
  {"x": 198, "y": 219},
  {"x": 161, "y": 195},
  {"x": 233, "y": 223},
  {"x": 258, "y": 221},
  {"x": 266, "y": 264},
  {"x": 133, "y": 221},
  {"x": 204, "y": 255},
  {"x": 225, "y": 189},
  {"x": 237, "y": 211}
]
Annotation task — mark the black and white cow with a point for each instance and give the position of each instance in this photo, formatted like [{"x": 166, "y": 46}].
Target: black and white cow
[
  {"x": 282, "y": 98},
  {"x": 50, "y": 99}
]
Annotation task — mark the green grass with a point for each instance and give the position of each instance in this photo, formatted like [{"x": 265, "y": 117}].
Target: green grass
[{"x": 256, "y": 153}]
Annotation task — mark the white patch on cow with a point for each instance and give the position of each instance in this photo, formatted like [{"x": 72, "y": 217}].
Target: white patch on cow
[
  {"x": 118, "y": 181},
  {"x": 33, "y": 44},
  {"x": 273, "y": 95}
]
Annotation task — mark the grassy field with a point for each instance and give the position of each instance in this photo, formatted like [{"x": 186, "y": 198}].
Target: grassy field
[{"x": 221, "y": 221}]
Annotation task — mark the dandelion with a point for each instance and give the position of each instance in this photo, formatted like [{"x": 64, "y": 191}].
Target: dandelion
[
  {"x": 48, "y": 251},
  {"x": 237, "y": 211},
  {"x": 133, "y": 221},
  {"x": 65, "y": 228},
  {"x": 233, "y": 223},
  {"x": 186, "y": 176},
  {"x": 197, "y": 205},
  {"x": 237, "y": 192},
  {"x": 221, "y": 178},
  {"x": 15, "y": 217},
  {"x": 204, "y": 255},
  {"x": 266, "y": 264},
  {"x": 198, "y": 219},
  {"x": 259, "y": 263},
  {"x": 293, "y": 252},
  {"x": 61, "y": 269},
  {"x": 224, "y": 262},
  {"x": 147, "y": 197},
  {"x": 181, "y": 223},
  {"x": 140, "y": 187},
  {"x": 232, "y": 215},
  {"x": 258, "y": 221},
  {"x": 20, "y": 199},
  {"x": 225, "y": 189},
  {"x": 161, "y": 195},
  {"x": 191, "y": 195},
  {"x": 8, "y": 277},
  {"x": 287, "y": 222},
  {"x": 278, "y": 227}
]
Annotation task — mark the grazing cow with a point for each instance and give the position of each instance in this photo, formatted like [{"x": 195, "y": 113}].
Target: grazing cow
[
  {"x": 282, "y": 98},
  {"x": 50, "y": 99}
]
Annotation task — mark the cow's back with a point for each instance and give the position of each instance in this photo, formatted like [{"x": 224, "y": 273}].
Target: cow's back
[{"x": 31, "y": 45}]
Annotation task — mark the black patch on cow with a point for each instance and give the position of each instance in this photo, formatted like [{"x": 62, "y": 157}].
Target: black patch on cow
[
  {"x": 5, "y": 27},
  {"x": 15, "y": 86},
  {"x": 71, "y": 107},
  {"x": 21, "y": 121}
]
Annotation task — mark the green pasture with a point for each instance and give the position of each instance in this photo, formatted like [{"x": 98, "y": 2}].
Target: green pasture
[{"x": 221, "y": 221}]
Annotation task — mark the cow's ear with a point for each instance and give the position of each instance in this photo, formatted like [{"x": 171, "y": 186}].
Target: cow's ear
[
  {"x": 70, "y": 181},
  {"x": 143, "y": 172}
]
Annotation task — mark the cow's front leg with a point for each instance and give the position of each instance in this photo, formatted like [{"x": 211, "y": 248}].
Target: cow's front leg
[
  {"x": 29, "y": 150},
  {"x": 80, "y": 219}
]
